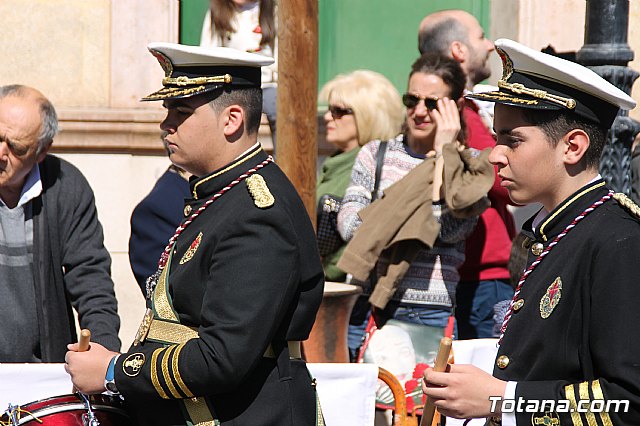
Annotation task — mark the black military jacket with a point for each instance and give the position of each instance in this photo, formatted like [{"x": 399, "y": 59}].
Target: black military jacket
[
  {"x": 576, "y": 334},
  {"x": 246, "y": 275}
]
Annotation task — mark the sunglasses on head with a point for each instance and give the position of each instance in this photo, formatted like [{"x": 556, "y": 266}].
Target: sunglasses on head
[
  {"x": 338, "y": 112},
  {"x": 411, "y": 101}
]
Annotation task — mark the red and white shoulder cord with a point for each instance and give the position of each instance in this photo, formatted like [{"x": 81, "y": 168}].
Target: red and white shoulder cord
[
  {"x": 546, "y": 251},
  {"x": 152, "y": 281}
]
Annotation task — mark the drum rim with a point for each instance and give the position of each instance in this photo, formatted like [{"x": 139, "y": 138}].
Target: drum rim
[{"x": 67, "y": 406}]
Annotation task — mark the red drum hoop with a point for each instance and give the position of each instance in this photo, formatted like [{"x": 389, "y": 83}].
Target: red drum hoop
[{"x": 69, "y": 410}]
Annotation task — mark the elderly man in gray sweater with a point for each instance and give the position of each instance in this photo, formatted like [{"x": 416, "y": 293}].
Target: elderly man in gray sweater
[{"x": 52, "y": 256}]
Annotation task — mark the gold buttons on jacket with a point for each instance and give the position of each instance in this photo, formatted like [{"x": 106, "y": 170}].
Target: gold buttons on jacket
[
  {"x": 537, "y": 248},
  {"x": 187, "y": 210},
  {"x": 518, "y": 304},
  {"x": 502, "y": 362}
]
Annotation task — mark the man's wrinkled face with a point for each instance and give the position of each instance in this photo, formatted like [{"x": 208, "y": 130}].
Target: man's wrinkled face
[{"x": 20, "y": 126}]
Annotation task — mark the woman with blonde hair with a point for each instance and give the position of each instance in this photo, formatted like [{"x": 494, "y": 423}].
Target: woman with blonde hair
[{"x": 362, "y": 106}]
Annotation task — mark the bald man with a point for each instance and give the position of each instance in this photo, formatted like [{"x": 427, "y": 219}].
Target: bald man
[
  {"x": 52, "y": 257},
  {"x": 457, "y": 34},
  {"x": 484, "y": 277}
]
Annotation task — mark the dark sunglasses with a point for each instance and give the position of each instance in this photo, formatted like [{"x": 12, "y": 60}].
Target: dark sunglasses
[
  {"x": 411, "y": 101},
  {"x": 337, "y": 112}
]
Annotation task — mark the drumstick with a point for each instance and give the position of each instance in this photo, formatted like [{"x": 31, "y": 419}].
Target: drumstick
[
  {"x": 83, "y": 342},
  {"x": 83, "y": 345},
  {"x": 440, "y": 365}
]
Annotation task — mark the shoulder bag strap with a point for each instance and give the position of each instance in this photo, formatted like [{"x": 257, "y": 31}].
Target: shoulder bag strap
[
  {"x": 379, "y": 161},
  {"x": 382, "y": 149}
]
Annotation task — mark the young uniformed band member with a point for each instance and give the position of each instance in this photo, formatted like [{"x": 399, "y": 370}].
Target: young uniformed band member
[
  {"x": 571, "y": 338},
  {"x": 239, "y": 284}
]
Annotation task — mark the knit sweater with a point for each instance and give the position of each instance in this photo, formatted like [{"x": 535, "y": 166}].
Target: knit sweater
[
  {"x": 72, "y": 268},
  {"x": 432, "y": 277}
]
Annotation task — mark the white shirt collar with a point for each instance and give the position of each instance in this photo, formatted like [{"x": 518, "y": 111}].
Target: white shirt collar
[
  {"x": 255, "y": 145},
  {"x": 32, "y": 187}
]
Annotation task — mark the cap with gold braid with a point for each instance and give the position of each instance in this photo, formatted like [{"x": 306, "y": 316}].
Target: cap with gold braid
[
  {"x": 532, "y": 79},
  {"x": 192, "y": 70}
]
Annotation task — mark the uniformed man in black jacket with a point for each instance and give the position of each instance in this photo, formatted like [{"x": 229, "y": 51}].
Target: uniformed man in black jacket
[
  {"x": 569, "y": 351},
  {"x": 240, "y": 282}
]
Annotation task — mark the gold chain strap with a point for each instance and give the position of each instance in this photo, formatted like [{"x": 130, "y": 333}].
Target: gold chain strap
[
  {"x": 519, "y": 88},
  {"x": 186, "y": 81}
]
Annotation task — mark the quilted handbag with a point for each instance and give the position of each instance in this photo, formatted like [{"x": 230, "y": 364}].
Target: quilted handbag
[{"x": 329, "y": 240}]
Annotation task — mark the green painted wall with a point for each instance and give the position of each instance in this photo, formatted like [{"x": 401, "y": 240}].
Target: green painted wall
[
  {"x": 191, "y": 16},
  {"x": 380, "y": 35}
]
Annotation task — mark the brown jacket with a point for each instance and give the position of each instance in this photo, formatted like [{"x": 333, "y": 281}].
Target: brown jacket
[{"x": 403, "y": 218}]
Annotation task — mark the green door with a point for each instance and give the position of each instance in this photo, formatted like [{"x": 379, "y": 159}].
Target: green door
[
  {"x": 191, "y": 16},
  {"x": 380, "y": 35}
]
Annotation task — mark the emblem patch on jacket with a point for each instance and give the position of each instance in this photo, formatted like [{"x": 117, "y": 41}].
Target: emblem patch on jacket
[
  {"x": 551, "y": 298},
  {"x": 132, "y": 364},
  {"x": 549, "y": 418},
  {"x": 259, "y": 191},
  {"x": 188, "y": 255}
]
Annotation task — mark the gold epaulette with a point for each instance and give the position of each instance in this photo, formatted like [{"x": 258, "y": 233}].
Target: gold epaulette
[
  {"x": 627, "y": 203},
  {"x": 259, "y": 191}
]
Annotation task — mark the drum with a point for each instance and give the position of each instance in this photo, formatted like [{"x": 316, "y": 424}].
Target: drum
[{"x": 69, "y": 410}]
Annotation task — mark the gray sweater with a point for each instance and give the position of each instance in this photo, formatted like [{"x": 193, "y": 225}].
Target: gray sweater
[{"x": 72, "y": 268}]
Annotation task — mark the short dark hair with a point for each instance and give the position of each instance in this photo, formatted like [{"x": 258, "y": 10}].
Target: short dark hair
[
  {"x": 438, "y": 37},
  {"x": 250, "y": 99},
  {"x": 555, "y": 124}
]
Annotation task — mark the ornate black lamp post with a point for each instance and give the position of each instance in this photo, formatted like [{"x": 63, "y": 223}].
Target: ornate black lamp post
[{"x": 607, "y": 53}]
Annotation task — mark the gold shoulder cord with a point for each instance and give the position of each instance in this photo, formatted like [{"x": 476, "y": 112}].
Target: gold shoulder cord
[{"x": 627, "y": 203}]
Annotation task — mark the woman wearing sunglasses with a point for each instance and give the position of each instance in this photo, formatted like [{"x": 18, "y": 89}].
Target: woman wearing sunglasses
[
  {"x": 425, "y": 293},
  {"x": 362, "y": 106}
]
